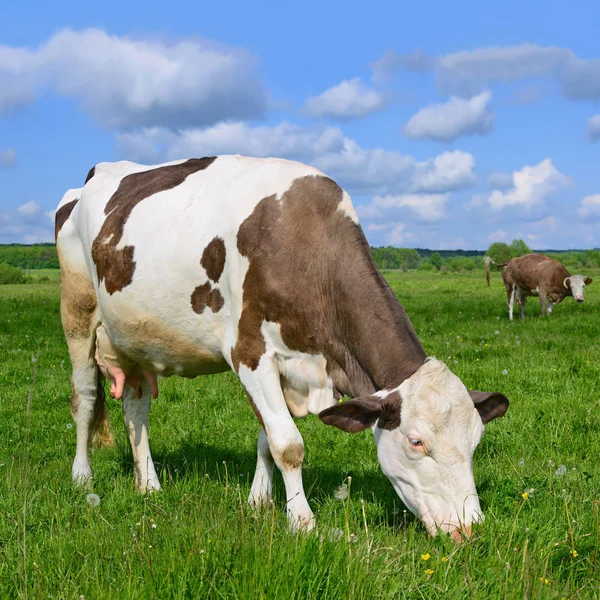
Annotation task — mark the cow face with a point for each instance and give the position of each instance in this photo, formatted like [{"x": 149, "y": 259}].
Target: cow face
[
  {"x": 576, "y": 283},
  {"x": 426, "y": 432}
]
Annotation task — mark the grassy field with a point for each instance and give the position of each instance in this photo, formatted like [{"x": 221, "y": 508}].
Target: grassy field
[{"x": 537, "y": 471}]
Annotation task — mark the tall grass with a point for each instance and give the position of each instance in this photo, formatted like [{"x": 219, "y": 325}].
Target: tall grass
[{"x": 537, "y": 472}]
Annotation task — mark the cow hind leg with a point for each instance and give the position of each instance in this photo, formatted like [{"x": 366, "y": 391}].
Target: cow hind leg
[
  {"x": 261, "y": 491},
  {"x": 522, "y": 306},
  {"x": 88, "y": 409},
  {"x": 135, "y": 413},
  {"x": 511, "y": 302},
  {"x": 284, "y": 440}
]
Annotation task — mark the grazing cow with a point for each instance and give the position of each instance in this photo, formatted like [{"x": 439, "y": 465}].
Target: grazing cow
[
  {"x": 537, "y": 275},
  {"x": 259, "y": 266}
]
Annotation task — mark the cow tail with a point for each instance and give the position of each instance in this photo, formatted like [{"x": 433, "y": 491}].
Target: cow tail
[
  {"x": 100, "y": 432},
  {"x": 486, "y": 261}
]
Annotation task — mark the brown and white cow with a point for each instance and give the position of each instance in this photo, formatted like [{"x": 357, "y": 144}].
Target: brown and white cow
[
  {"x": 259, "y": 266},
  {"x": 537, "y": 275}
]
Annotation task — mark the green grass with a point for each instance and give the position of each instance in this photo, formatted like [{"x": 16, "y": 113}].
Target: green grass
[{"x": 199, "y": 539}]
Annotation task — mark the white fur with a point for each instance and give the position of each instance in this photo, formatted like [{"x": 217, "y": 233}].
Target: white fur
[{"x": 437, "y": 486}]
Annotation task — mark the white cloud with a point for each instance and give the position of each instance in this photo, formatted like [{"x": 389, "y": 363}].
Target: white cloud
[
  {"x": 593, "y": 127},
  {"x": 497, "y": 236},
  {"x": 361, "y": 171},
  {"x": 384, "y": 68},
  {"x": 124, "y": 82},
  {"x": 469, "y": 71},
  {"x": 398, "y": 235},
  {"x": 446, "y": 172},
  {"x": 378, "y": 226},
  {"x": 427, "y": 207},
  {"x": 499, "y": 180},
  {"x": 349, "y": 99},
  {"x": 30, "y": 210},
  {"x": 532, "y": 185},
  {"x": 590, "y": 206},
  {"x": 445, "y": 122}
]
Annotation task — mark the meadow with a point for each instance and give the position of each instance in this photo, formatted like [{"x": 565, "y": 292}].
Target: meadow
[{"x": 537, "y": 471}]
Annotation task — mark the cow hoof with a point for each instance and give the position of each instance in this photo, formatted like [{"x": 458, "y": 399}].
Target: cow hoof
[
  {"x": 81, "y": 474},
  {"x": 301, "y": 523},
  {"x": 148, "y": 487},
  {"x": 259, "y": 500}
]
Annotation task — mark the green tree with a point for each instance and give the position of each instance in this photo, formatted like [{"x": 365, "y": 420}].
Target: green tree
[
  {"x": 519, "y": 248},
  {"x": 499, "y": 252},
  {"x": 436, "y": 260}
]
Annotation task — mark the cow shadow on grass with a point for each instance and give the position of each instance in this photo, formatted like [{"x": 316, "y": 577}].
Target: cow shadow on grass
[{"x": 196, "y": 460}]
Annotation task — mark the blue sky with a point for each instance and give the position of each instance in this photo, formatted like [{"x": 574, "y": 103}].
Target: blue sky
[{"x": 450, "y": 124}]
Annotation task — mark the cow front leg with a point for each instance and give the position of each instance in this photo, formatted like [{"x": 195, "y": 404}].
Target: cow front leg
[
  {"x": 135, "y": 413},
  {"x": 550, "y": 306},
  {"x": 284, "y": 440},
  {"x": 522, "y": 305},
  {"x": 261, "y": 491},
  {"x": 543, "y": 302},
  {"x": 511, "y": 302}
]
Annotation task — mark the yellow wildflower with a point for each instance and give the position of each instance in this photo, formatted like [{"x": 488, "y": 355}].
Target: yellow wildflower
[
  {"x": 429, "y": 572},
  {"x": 545, "y": 581},
  {"x": 445, "y": 559},
  {"x": 425, "y": 556},
  {"x": 574, "y": 553},
  {"x": 525, "y": 495}
]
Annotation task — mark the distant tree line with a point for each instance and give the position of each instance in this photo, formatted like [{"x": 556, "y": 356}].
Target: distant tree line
[{"x": 43, "y": 256}]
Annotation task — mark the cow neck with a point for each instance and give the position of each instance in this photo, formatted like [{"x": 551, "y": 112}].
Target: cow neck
[{"x": 377, "y": 346}]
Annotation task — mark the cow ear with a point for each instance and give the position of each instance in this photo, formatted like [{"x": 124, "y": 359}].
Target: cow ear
[
  {"x": 354, "y": 415},
  {"x": 360, "y": 413},
  {"x": 489, "y": 405},
  {"x": 588, "y": 280}
]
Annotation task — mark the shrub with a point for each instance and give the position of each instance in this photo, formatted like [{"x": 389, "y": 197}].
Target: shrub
[{"x": 10, "y": 274}]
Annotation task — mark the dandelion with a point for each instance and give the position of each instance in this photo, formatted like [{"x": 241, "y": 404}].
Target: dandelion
[
  {"x": 153, "y": 525},
  {"x": 550, "y": 463},
  {"x": 497, "y": 332},
  {"x": 335, "y": 534},
  {"x": 93, "y": 499},
  {"x": 342, "y": 492},
  {"x": 525, "y": 495},
  {"x": 69, "y": 425},
  {"x": 522, "y": 462},
  {"x": 560, "y": 471},
  {"x": 505, "y": 372},
  {"x": 425, "y": 556}
]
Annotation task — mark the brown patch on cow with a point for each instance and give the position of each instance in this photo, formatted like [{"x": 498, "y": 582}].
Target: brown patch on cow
[
  {"x": 204, "y": 296},
  {"x": 292, "y": 456},
  {"x": 116, "y": 267},
  {"x": 90, "y": 174},
  {"x": 62, "y": 214},
  {"x": 213, "y": 259},
  {"x": 391, "y": 406},
  {"x": 78, "y": 304},
  {"x": 311, "y": 270}
]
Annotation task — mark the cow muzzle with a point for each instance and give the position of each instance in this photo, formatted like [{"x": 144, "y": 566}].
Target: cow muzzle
[{"x": 579, "y": 299}]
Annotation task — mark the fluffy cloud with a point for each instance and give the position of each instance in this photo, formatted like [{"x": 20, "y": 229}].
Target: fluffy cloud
[
  {"x": 349, "y": 99},
  {"x": 445, "y": 122},
  {"x": 124, "y": 82},
  {"x": 27, "y": 224},
  {"x": 361, "y": 171},
  {"x": 8, "y": 157},
  {"x": 390, "y": 62},
  {"x": 589, "y": 207},
  {"x": 426, "y": 207},
  {"x": 593, "y": 127},
  {"x": 532, "y": 185},
  {"x": 497, "y": 236}
]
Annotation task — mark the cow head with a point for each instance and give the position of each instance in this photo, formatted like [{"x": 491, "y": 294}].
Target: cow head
[
  {"x": 576, "y": 283},
  {"x": 426, "y": 431}
]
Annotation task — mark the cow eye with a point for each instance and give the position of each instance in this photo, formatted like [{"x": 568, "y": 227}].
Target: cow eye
[{"x": 415, "y": 442}]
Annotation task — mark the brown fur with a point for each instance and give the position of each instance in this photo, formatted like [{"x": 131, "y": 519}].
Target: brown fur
[
  {"x": 311, "y": 271},
  {"x": 62, "y": 214},
  {"x": 204, "y": 296},
  {"x": 213, "y": 259},
  {"x": 77, "y": 304},
  {"x": 255, "y": 409},
  {"x": 292, "y": 456},
  {"x": 116, "y": 267}
]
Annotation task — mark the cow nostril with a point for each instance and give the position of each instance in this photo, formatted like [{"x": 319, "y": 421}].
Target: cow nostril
[{"x": 461, "y": 534}]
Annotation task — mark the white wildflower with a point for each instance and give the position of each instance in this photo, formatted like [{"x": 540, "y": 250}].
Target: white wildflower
[
  {"x": 560, "y": 471},
  {"x": 93, "y": 499}
]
